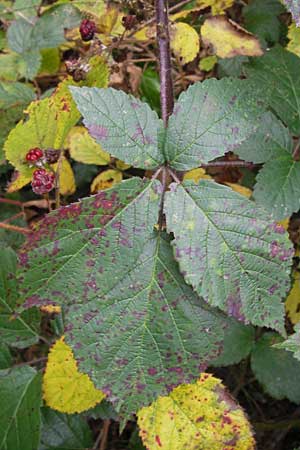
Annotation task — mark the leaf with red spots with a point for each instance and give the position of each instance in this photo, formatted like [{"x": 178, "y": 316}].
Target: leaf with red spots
[
  {"x": 196, "y": 416},
  {"x": 210, "y": 119},
  {"x": 230, "y": 252},
  {"x": 15, "y": 330},
  {"x": 124, "y": 126},
  {"x": 130, "y": 318}
]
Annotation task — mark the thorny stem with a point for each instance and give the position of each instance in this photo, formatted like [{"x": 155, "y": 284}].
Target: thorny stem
[{"x": 163, "y": 40}]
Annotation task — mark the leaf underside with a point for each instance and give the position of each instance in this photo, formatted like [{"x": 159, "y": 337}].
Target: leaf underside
[{"x": 229, "y": 252}]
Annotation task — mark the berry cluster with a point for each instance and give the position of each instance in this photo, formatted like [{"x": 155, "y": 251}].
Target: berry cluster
[
  {"x": 87, "y": 29},
  {"x": 34, "y": 155},
  {"x": 43, "y": 181}
]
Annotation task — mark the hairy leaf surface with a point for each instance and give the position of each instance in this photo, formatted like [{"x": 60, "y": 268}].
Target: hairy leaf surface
[
  {"x": 210, "y": 119},
  {"x": 196, "y": 416},
  {"x": 229, "y": 251},
  {"x": 130, "y": 317},
  {"x": 125, "y": 127},
  {"x": 20, "y": 398}
]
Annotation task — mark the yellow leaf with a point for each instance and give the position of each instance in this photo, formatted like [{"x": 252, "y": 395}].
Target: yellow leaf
[
  {"x": 292, "y": 304},
  {"x": 285, "y": 224},
  {"x": 208, "y": 63},
  {"x": 65, "y": 388},
  {"x": 240, "y": 189},
  {"x": 217, "y": 6},
  {"x": 19, "y": 180},
  {"x": 294, "y": 39},
  {"x": 121, "y": 165},
  {"x": 196, "y": 416},
  {"x": 184, "y": 13},
  {"x": 106, "y": 180},
  {"x": 184, "y": 42},
  {"x": 196, "y": 175},
  {"x": 67, "y": 184},
  {"x": 50, "y": 309},
  {"x": 83, "y": 148},
  {"x": 94, "y": 7},
  {"x": 110, "y": 24},
  {"x": 228, "y": 39},
  {"x": 145, "y": 33}
]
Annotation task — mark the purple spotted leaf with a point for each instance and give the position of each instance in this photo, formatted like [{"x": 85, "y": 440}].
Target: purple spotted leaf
[
  {"x": 81, "y": 250},
  {"x": 230, "y": 252},
  {"x": 130, "y": 318},
  {"x": 125, "y": 127},
  {"x": 294, "y": 7},
  {"x": 210, "y": 119}
]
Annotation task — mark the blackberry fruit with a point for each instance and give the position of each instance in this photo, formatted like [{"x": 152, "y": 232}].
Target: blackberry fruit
[
  {"x": 87, "y": 29},
  {"x": 43, "y": 181}
]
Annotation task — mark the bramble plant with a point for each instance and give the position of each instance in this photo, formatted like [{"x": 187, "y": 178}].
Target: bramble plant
[{"x": 156, "y": 278}]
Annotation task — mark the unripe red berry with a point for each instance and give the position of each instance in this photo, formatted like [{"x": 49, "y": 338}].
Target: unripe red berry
[
  {"x": 42, "y": 181},
  {"x": 87, "y": 29},
  {"x": 34, "y": 154}
]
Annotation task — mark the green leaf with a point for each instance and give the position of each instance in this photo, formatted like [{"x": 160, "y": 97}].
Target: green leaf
[
  {"x": 122, "y": 124},
  {"x": 271, "y": 140},
  {"x": 27, "y": 8},
  {"x": 104, "y": 410},
  {"x": 129, "y": 315},
  {"x": 20, "y": 398},
  {"x": 278, "y": 182},
  {"x": 278, "y": 187},
  {"x": 231, "y": 67},
  {"x": 276, "y": 369},
  {"x": 261, "y": 18},
  {"x": 64, "y": 431},
  {"x": 278, "y": 75},
  {"x": 5, "y": 357},
  {"x": 19, "y": 36},
  {"x": 150, "y": 88},
  {"x": 294, "y": 7},
  {"x": 230, "y": 252},
  {"x": 10, "y": 238},
  {"x": 20, "y": 331},
  {"x": 238, "y": 343},
  {"x": 292, "y": 344},
  {"x": 210, "y": 119}
]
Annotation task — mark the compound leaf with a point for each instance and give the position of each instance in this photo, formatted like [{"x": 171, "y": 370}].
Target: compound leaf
[
  {"x": 275, "y": 368},
  {"x": 210, "y": 119},
  {"x": 278, "y": 74},
  {"x": 22, "y": 330},
  {"x": 230, "y": 252},
  {"x": 129, "y": 315},
  {"x": 123, "y": 125},
  {"x": 65, "y": 388},
  {"x": 20, "y": 398},
  {"x": 199, "y": 416}
]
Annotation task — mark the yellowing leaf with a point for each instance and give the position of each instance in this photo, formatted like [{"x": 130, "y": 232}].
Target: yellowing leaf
[
  {"x": 145, "y": 33},
  {"x": 184, "y": 13},
  {"x": 240, "y": 189},
  {"x": 208, "y": 63},
  {"x": 292, "y": 304},
  {"x": 228, "y": 39},
  {"x": 121, "y": 165},
  {"x": 184, "y": 42},
  {"x": 66, "y": 177},
  {"x": 106, "y": 180},
  {"x": 196, "y": 175},
  {"x": 285, "y": 224},
  {"x": 294, "y": 39},
  {"x": 110, "y": 24},
  {"x": 196, "y": 416},
  {"x": 50, "y": 309},
  {"x": 50, "y": 60},
  {"x": 217, "y": 6},
  {"x": 94, "y": 7},
  {"x": 83, "y": 148},
  {"x": 19, "y": 180},
  {"x": 65, "y": 388}
]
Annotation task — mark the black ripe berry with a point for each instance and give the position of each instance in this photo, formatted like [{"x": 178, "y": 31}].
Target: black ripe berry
[
  {"x": 42, "y": 181},
  {"x": 87, "y": 29},
  {"x": 51, "y": 155}
]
